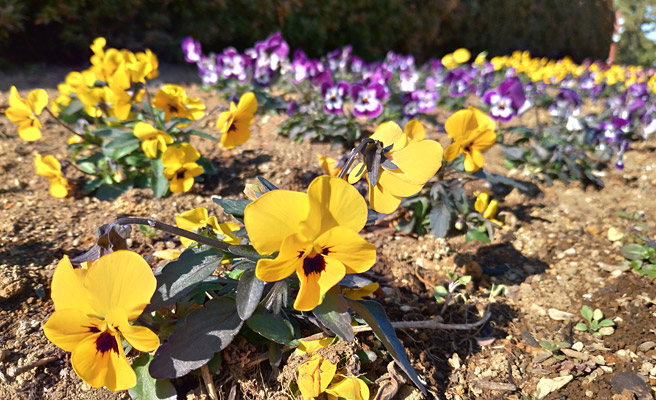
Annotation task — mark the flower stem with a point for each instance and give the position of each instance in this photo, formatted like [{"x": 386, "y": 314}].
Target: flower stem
[
  {"x": 198, "y": 121},
  {"x": 60, "y": 122},
  {"x": 174, "y": 230}
]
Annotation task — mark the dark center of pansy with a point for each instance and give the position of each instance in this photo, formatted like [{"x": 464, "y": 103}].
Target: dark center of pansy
[
  {"x": 314, "y": 263},
  {"x": 106, "y": 342},
  {"x": 180, "y": 174},
  {"x": 173, "y": 109},
  {"x": 468, "y": 148}
]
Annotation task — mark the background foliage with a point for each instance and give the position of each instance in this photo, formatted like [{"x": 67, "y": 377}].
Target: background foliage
[
  {"x": 38, "y": 30},
  {"x": 639, "y": 19}
]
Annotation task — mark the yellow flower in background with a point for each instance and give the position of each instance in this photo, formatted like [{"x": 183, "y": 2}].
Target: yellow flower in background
[
  {"x": 197, "y": 218},
  {"x": 93, "y": 310},
  {"x": 487, "y": 208},
  {"x": 472, "y": 132},
  {"x": 180, "y": 166},
  {"x": 96, "y": 101},
  {"x": 235, "y": 123},
  {"x": 315, "y": 235},
  {"x": 150, "y": 58},
  {"x": 24, "y": 112},
  {"x": 314, "y": 376},
  {"x": 151, "y": 138},
  {"x": 416, "y": 160},
  {"x": 328, "y": 165},
  {"x": 98, "y": 49},
  {"x": 461, "y": 56},
  {"x": 50, "y": 168},
  {"x": 173, "y": 100},
  {"x": 360, "y": 293},
  {"x": 351, "y": 388}
]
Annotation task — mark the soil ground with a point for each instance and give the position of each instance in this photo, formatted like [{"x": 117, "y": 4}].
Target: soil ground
[{"x": 553, "y": 254}]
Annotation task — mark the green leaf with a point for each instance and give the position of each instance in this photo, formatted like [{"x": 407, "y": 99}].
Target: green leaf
[
  {"x": 586, "y": 312},
  {"x": 92, "y": 185},
  {"x": 246, "y": 251},
  {"x": 273, "y": 327},
  {"x": 204, "y": 332},
  {"x": 333, "y": 313},
  {"x": 87, "y": 167},
  {"x": 475, "y": 234},
  {"x": 606, "y": 322},
  {"x": 249, "y": 293},
  {"x": 581, "y": 327},
  {"x": 375, "y": 317},
  {"x": 158, "y": 182},
  {"x": 464, "y": 280},
  {"x": 233, "y": 207},
  {"x": 121, "y": 146},
  {"x": 179, "y": 277},
  {"x": 634, "y": 251},
  {"x": 440, "y": 219},
  {"x": 440, "y": 292},
  {"x": 204, "y": 135},
  {"x": 111, "y": 133},
  {"x": 597, "y": 315},
  {"x": 147, "y": 387}
]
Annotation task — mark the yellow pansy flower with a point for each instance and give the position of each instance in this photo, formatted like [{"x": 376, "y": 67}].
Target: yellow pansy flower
[
  {"x": 461, "y": 56},
  {"x": 351, "y": 388},
  {"x": 234, "y": 124},
  {"x": 328, "y": 165},
  {"x": 93, "y": 310},
  {"x": 315, "y": 235},
  {"x": 314, "y": 376},
  {"x": 151, "y": 139},
  {"x": 487, "y": 208},
  {"x": 472, "y": 131},
  {"x": 180, "y": 166},
  {"x": 198, "y": 218},
  {"x": 24, "y": 112},
  {"x": 416, "y": 160},
  {"x": 311, "y": 346},
  {"x": 360, "y": 293},
  {"x": 175, "y": 103},
  {"x": 50, "y": 168}
]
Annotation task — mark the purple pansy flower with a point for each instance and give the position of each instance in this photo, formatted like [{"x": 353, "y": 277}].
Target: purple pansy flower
[
  {"x": 567, "y": 103},
  {"x": 459, "y": 82},
  {"x": 232, "y": 64},
  {"x": 408, "y": 80},
  {"x": 208, "y": 70},
  {"x": 506, "y": 100},
  {"x": 191, "y": 49},
  {"x": 367, "y": 100},
  {"x": 270, "y": 52},
  {"x": 333, "y": 96},
  {"x": 357, "y": 64}
]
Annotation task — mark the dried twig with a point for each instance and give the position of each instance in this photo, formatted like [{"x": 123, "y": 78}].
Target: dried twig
[
  {"x": 435, "y": 323},
  {"x": 489, "y": 385},
  {"x": 209, "y": 383},
  {"x": 14, "y": 372}
]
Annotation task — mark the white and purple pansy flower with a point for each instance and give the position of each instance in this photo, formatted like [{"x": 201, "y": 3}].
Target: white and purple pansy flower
[
  {"x": 459, "y": 81},
  {"x": 270, "y": 52},
  {"x": 208, "y": 70},
  {"x": 232, "y": 64},
  {"x": 567, "y": 103},
  {"x": 191, "y": 50},
  {"x": 506, "y": 100},
  {"x": 333, "y": 96},
  {"x": 367, "y": 100}
]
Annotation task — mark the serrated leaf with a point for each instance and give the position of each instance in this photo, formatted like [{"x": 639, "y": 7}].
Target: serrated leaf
[
  {"x": 179, "y": 277},
  {"x": 440, "y": 219},
  {"x": 204, "y": 332},
  {"x": 148, "y": 387},
  {"x": 249, "y": 294},
  {"x": 375, "y": 317},
  {"x": 333, "y": 313},
  {"x": 273, "y": 327}
]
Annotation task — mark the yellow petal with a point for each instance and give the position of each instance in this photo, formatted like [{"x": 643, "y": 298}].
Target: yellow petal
[
  {"x": 168, "y": 254},
  {"x": 481, "y": 202},
  {"x": 360, "y": 293},
  {"x": 333, "y": 202},
  {"x": 459, "y": 124},
  {"x": 461, "y": 55},
  {"x": 274, "y": 216},
  {"x": 47, "y": 166},
  {"x": 144, "y": 131},
  {"x": 382, "y": 201},
  {"x": 236, "y": 136},
  {"x": 415, "y": 131},
  {"x": 141, "y": 338},
  {"x": 103, "y": 368},
  {"x": 67, "y": 328},
  {"x": 473, "y": 161},
  {"x": 491, "y": 210},
  {"x": 38, "y": 99},
  {"x": 192, "y": 219},
  {"x": 350, "y": 388},
  {"x": 247, "y": 103},
  {"x": 311, "y": 346},
  {"x": 122, "y": 279},
  {"x": 356, "y": 173},
  {"x": 484, "y": 140},
  {"x": 59, "y": 188},
  {"x": 316, "y": 284},
  {"x": 397, "y": 184},
  {"x": 68, "y": 290},
  {"x": 351, "y": 250},
  {"x": 452, "y": 151},
  {"x": 149, "y": 148},
  {"x": 388, "y": 133},
  {"x": 483, "y": 121},
  {"x": 279, "y": 268},
  {"x": 30, "y": 133},
  {"x": 419, "y": 161},
  {"x": 314, "y": 376}
]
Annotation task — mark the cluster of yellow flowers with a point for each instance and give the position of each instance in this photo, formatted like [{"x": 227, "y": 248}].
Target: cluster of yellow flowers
[{"x": 108, "y": 92}]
